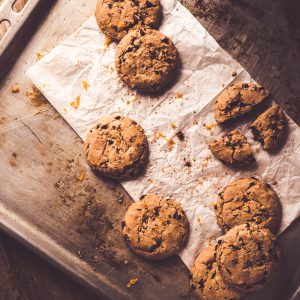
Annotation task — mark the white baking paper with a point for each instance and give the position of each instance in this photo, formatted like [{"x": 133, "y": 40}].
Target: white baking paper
[{"x": 206, "y": 70}]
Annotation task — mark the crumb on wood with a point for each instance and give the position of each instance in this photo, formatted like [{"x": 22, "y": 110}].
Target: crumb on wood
[
  {"x": 85, "y": 85},
  {"x": 132, "y": 282},
  {"x": 179, "y": 95},
  {"x": 82, "y": 176},
  {"x": 75, "y": 104},
  {"x": 15, "y": 89},
  {"x": 36, "y": 97},
  {"x": 39, "y": 56}
]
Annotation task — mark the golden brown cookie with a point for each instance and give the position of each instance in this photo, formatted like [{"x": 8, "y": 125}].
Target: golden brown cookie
[
  {"x": 116, "y": 17},
  {"x": 232, "y": 148},
  {"x": 146, "y": 60},
  {"x": 238, "y": 100},
  {"x": 248, "y": 256},
  {"x": 155, "y": 227},
  {"x": 269, "y": 128},
  {"x": 117, "y": 147},
  {"x": 207, "y": 281},
  {"x": 248, "y": 200}
]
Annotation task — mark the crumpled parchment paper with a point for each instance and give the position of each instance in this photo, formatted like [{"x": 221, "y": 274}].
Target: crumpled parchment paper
[{"x": 79, "y": 79}]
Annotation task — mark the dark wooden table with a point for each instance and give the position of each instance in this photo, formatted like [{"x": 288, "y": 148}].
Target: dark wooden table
[{"x": 264, "y": 36}]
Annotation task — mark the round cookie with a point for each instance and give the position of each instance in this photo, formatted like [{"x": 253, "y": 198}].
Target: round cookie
[
  {"x": 232, "y": 148},
  {"x": 116, "y": 17},
  {"x": 146, "y": 60},
  {"x": 207, "y": 281},
  {"x": 117, "y": 147},
  {"x": 269, "y": 128},
  {"x": 155, "y": 227},
  {"x": 248, "y": 200},
  {"x": 248, "y": 256},
  {"x": 238, "y": 100}
]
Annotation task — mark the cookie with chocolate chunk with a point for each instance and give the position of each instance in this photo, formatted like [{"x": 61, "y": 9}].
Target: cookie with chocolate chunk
[
  {"x": 207, "y": 281},
  {"x": 232, "y": 148},
  {"x": 247, "y": 200},
  {"x": 146, "y": 60},
  {"x": 269, "y": 128},
  {"x": 117, "y": 17},
  {"x": 248, "y": 256},
  {"x": 238, "y": 100},
  {"x": 117, "y": 147},
  {"x": 155, "y": 227}
]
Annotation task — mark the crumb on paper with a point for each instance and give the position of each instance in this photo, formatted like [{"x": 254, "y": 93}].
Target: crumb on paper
[
  {"x": 180, "y": 136},
  {"x": 85, "y": 85},
  {"x": 132, "y": 282},
  {"x": 65, "y": 110},
  {"x": 199, "y": 220},
  {"x": 15, "y": 89},
  {"x": 213, "y": 205},
  {"x": 223, "y": 84},
  {"x": 234, "y": 74},
  {"x": 179, "y": 95},
  {"x": 131, "y": 100},
  {"x": 39, "y": 56},
  {"x": 107, "y": 42},
  {"x": 173, "y": 125},
  {"x": 75, "y": 104},
  {"x": 82, "y": 176},
  {"x": 210, "y": 127},
  {"x": 205, "y": 161},
  {"x": 188, "y": 164},
  {"x": 196, "y": 122}
]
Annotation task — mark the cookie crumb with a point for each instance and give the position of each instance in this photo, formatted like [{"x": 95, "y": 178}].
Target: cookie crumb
[
  {"x": 85, "y": 85},
  {"x": 107, "y": 41},
  {"x": 15, "y": 89},
  {"x": 234, "y": 74},
  {"x": 65, "y": 110},
  {"x": 82, "y": 176},
  {"x": 188, "y": 164},
  {"x": 131, "y": 100},
  {"x": 173, "y": 125},
  {"x": 180, "y": 135},
  {"x": 132, "y": 282},
  {"x": 210, "y": 127},
  {"x": 75, "y": 104},
  {"x": 39, "y": 56},
  {"x": 179, "y": 95}
]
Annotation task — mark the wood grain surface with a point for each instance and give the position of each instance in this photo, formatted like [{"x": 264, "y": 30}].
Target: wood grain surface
[{"x": 42, "y": 159}]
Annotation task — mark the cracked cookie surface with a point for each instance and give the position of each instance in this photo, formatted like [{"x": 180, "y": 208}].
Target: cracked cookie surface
[
  {"x": 269, "y": 128},
  {"x": 146, "y": 60},
  {"x": 238, "y": 100},
  {"x": 117, "y": 147},
  {"x": 232, "y": 148},
  {"x": 248, "y": 256},
  {"x": 207, "y": 281},
  {"x": 155, "y": 227},
  {"x": 248, "y": 200},
  {"x": 116, "y": 17}
]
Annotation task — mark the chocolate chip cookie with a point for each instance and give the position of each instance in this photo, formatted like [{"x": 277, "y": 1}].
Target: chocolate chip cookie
[
  {"x": 117, "y": 147},
  {"x": 146, "y": 60},
  {"x": 116, "y": 17},
  {"x": 155, "y": 227},
  {"x": 269, "y": 128},
  {"x": 207, "y": 281},
  {"x": 248, "y": 256},
  {"x": 232, "y": 148},
  {"x": 248, "y": 200},
  {"x": 238, "y": 100}
]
